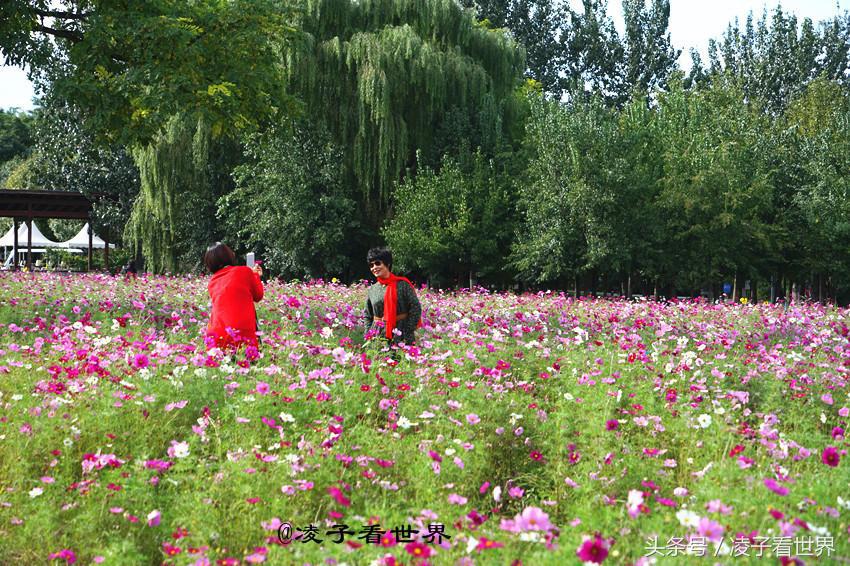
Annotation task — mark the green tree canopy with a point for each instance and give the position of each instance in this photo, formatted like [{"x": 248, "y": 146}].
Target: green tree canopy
[
  {"x": 383, "y": 75},
  {"x": 290, "y": 205},
  {"x": 775, "y": 57},
  {"x": 130, "y": 66},
  {"x": 15, "y": 134},
  {"x": 454, "y": 222}
]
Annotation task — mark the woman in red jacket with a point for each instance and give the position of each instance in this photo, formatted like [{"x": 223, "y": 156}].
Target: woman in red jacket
[{"x": 233, "y": 289}]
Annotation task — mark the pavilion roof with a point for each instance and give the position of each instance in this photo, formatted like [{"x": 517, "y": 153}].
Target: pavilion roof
[{"x": 44, "y": 204}]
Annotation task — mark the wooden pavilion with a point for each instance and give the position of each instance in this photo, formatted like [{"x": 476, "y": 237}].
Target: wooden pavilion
[{"x": 26, "y": 205}]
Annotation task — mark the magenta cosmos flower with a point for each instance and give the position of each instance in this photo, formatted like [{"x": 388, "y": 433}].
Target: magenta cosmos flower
[
  {"x": 831, "y": 456},
  {"x": 774, "y": 486},
  {"x": 593, "y": 549},
  {"x": 417, "y": 550}
]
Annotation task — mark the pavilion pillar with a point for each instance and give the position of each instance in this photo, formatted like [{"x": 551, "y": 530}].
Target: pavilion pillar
[
  {"x": 90, "y": 246},
  {"x": 29, "y": 240},
  {"x": 15, "y": 244},
  {"x": 106, "y": 250}
]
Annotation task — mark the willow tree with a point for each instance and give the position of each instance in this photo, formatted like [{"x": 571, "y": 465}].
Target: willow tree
[
  {"x": 383, "y": 74},
  {"x": 170, "y": 168}
]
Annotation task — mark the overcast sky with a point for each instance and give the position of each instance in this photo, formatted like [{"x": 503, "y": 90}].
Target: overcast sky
[{"x": 692, "y": 24}]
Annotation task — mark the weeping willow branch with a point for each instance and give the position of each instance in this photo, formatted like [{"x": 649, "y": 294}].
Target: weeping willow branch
[
  {"x": 171, "y": 166},
  {"x": 383, "y": 73}
]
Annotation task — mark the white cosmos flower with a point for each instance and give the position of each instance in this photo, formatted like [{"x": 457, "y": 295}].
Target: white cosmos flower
[
  {"x": 688, "y": 518},
  {"x": 704, "y": 420}
]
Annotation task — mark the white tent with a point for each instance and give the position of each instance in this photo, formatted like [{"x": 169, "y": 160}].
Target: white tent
[
  {"x": 38, "y": 239},
  {"x": 81, "y": 240}
]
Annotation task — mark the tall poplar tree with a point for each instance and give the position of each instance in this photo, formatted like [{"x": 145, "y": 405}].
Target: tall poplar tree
[{"x": 776, "y": 57}]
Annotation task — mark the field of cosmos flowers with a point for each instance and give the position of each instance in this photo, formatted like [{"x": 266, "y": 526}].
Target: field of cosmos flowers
[{"x": 525, "y": 429}]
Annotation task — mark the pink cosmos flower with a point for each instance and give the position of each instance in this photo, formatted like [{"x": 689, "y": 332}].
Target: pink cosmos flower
[
  {"x": 533, "y": 519},
  {"x": 258, "y": 556},
  {"x": 178, "y": 449},
  {"x": 338, "y": 496},
  {"x": 831, "y": 456},
  {"x": 65, "y": 554},
  {"x": 153, "y": 518},
  {"x": 593, "y": 549},
  {"x": 159, "y": 465},
  {"x": 140, "y": 361},
  {"x": 774, "y": 486},
  {"x": 456, "y": 499},
  {"x": 612, "y": 424},
  {"x": 717, "y": 506},
  {"x": 709, "y": 529},
  {"x": 472, "y": 419},
  {"x": 484, "y": 543},
  {"x": 263, "y": 388}
]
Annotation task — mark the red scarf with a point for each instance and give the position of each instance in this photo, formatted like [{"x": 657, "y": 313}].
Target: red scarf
[{"x": 391, "y": 301}]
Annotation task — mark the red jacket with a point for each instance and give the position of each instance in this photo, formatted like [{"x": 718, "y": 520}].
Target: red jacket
[{"x": 234, "y": 290}]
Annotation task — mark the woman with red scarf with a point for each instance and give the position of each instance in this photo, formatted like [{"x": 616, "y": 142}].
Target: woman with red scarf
[
  {"x": 233, "y": 290},
  {"x": 391, "y": 303}
]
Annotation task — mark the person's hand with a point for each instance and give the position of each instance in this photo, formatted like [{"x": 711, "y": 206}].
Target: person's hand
[{"x": 258, "y": 269}]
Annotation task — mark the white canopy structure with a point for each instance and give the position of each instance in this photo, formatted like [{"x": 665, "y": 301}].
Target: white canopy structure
[
  {"x": 38, "y": 239},
  {"x": 81, "y": 240}
]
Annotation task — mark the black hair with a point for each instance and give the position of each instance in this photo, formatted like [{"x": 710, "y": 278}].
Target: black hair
[
  {"x": 218, "y": 256},
  {"x": 384, "y": 255}
]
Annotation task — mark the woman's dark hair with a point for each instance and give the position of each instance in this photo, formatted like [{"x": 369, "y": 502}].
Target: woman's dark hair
[
  {"x": 217, "y": 256},
  {"x": 383, "y": 255}
]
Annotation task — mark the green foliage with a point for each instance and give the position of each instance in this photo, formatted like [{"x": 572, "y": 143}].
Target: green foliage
[
  {"x": 170, "y": 170},
  {"x": 717, "y": 191},
  {"x": 602, "y": 63},
  {"x": 382, "y": 76},
  {"x": 452, "y": 222},
  {"x": 590, "y": 183},
  {"x": 67, "y": 157},
  {"x": 535, "y": 24},
  {"x": 19, "y": 173},
  {"x": 130, "y": 66},
  {"x": 820, "y": 120},
  {"x": 290, "y": 206},
  {"x": 15, "y": 134},
  {"x": 700, "y": 187},
  {"x": 775, "y": 58}
]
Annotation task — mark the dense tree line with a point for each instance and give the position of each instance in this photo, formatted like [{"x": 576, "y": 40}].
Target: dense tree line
[{"x": 498, "y": 142}]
